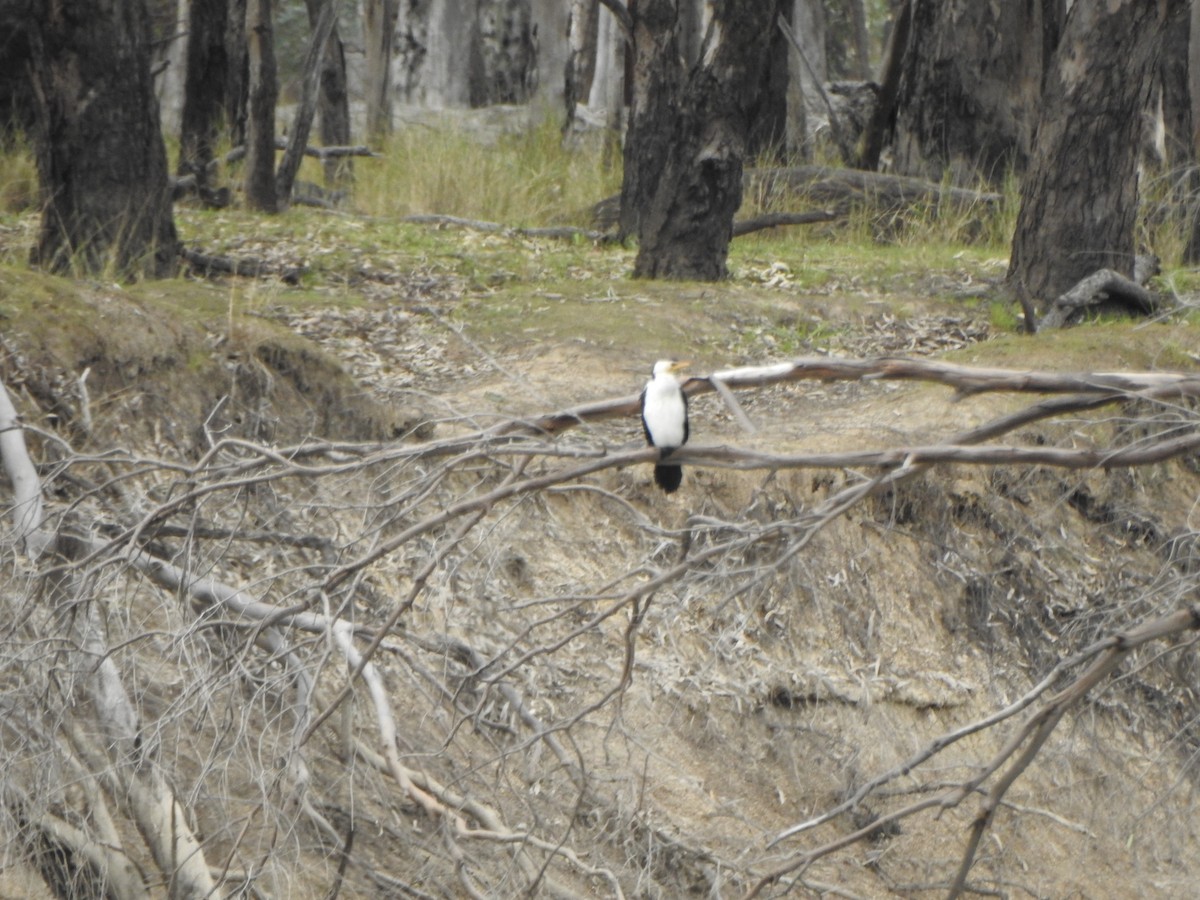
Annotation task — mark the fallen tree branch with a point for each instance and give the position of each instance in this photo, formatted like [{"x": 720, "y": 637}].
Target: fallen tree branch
[
  {"x": 1106, "y": 656},
  {"x": 725, "y": 457},
  {"x": 134, "y": 778},
  {"x": 826, "y": 184},
  {"x": 965, "y": 380},
  {"x": 321, "y": 153},
  {"x": 562, "y": 233},
  {"x": 775, "y": 220},
  {"x": 1104, "y": 286},
  {"x": 207, "y": 265}
]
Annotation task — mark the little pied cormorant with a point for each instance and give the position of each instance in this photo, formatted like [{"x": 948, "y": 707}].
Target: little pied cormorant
[{"x": 665, "y": 419}]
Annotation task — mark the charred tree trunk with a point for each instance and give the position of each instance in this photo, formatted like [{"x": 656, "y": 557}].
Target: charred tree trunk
[
  {"x": 297, "y": 143},
  {"x": 883, "y": 118},
  {"x": 1079, "y": 199},
  {"x": 259, "y": 182},
  {"x": 16, "y": 99},
  {"x": 333, "y": 102},
  {"x": 768, "y": 123},
  {"x": 238, "y": 75},
  {"x": 656, "y": 86},
  {"x": 970, "y": 82},
  {"x": 204, "y": 90},
  {"x": 102, "y": 165},
  {"x": 685, "y": 229},
  {"x": 379, "y": 31}
]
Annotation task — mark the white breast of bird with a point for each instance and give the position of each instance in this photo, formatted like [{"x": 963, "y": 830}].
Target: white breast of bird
[{"x": 664, "y": 413}]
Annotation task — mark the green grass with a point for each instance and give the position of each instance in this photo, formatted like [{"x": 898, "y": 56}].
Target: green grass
[
  {"x": 526, "y": 179},
  {"x": 785, "y": 283},
  {"x": 18, "y": 177}
]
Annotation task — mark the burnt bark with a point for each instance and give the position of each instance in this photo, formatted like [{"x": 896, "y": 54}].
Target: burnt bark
[
  {"x": 102, "y": 165},
  {"x": 306, "y": 109},
  {"x": 16, "y": 99},
  {"x": 1079, "y": 200},
  {"x": 238, "y": 75},
  {"x": 768, "y": 121},
  {"x": 259, "y": 181},
  {"x": 656, "y": 83},
  {"x": 685, "y": 229},
  {"x": 208, "y": 68},
  {"x": 333, "y": 103},
  {"x": 969, "y": 86}
]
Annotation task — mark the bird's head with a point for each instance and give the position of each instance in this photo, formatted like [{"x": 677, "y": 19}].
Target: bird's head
[{"x": 670, "y": 366}]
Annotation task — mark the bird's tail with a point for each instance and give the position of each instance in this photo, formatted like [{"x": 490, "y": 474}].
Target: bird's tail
[{"x": 668, "y": 477}]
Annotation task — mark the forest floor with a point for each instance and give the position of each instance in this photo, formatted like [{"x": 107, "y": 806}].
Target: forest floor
[{"x": 915, "y": 613}]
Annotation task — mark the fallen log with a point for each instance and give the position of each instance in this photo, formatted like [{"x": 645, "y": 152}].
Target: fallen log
[
  {"x": 207, "y": 265},
  {"x": 1106, "y": 289},
  {"x": 843, "y": 187}
]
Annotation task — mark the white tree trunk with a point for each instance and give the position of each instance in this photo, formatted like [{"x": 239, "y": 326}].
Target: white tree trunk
[
  {"x": 453, "y": 29},
  {"x": 170, "y": 84},
  {"x": 608, "y": 83},
  {"x": 552, "y": 18}
]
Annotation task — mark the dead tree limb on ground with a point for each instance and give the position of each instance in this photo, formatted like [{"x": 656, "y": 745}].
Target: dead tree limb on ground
[
  {"x": 1103, "y": 658},
  {"x": 207, "y": 265},
  {"x": 1102, "y": 289},
  {"x": 361, "y": 617}
]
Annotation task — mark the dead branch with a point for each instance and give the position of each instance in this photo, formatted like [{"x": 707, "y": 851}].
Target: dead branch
[
  {"x": 297, "y": 141},
  {"x": 559, "y": 233},
  {"x": 1105, "y": 655},
  {"x": 838, "y": 187},
  {"x": 398, "y": 574},
  {"x": 775, "y": 220},
  {"x": 321, "y": 153},
  {"x": 1099, "y": 288},
  {"x": 161, "y": 819},
  {"x": 739, "y": 458},
  {"x": 965, "y": 380},
  {"x": 207, "y": 265}
]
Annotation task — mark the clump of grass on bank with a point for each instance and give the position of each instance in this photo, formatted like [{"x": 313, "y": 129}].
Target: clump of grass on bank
[
  {"x": 18, "y": 176},
  {"x": 526, "y": 179}
]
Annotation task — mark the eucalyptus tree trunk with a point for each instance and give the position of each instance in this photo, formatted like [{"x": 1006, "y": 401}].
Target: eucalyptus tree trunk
[
  {"x": 689, "y": 164},
  {"x": 551, "y": 20},
  {"x": 1079, "y": 199},
  {"x": 970, "y": 84},
  {"x": 237, "y": 77},
  {"x": 208, "y": 68},
  {"x": 102, "y": 165},
  {"x": 169, "y": 60},
  {"x": 806, "y": 68},
  {"x": 862, "y": 39},
  {"x": 259, "y": 182},
  {"x": 582, "y": 42},
  {"x": 657, "y": 84},
  {"x": 379, "y": 30},
  {"x": 333, "y": 101},
  {"x": 769, "y": 122},
  {"x": 285, "y": 176}
]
